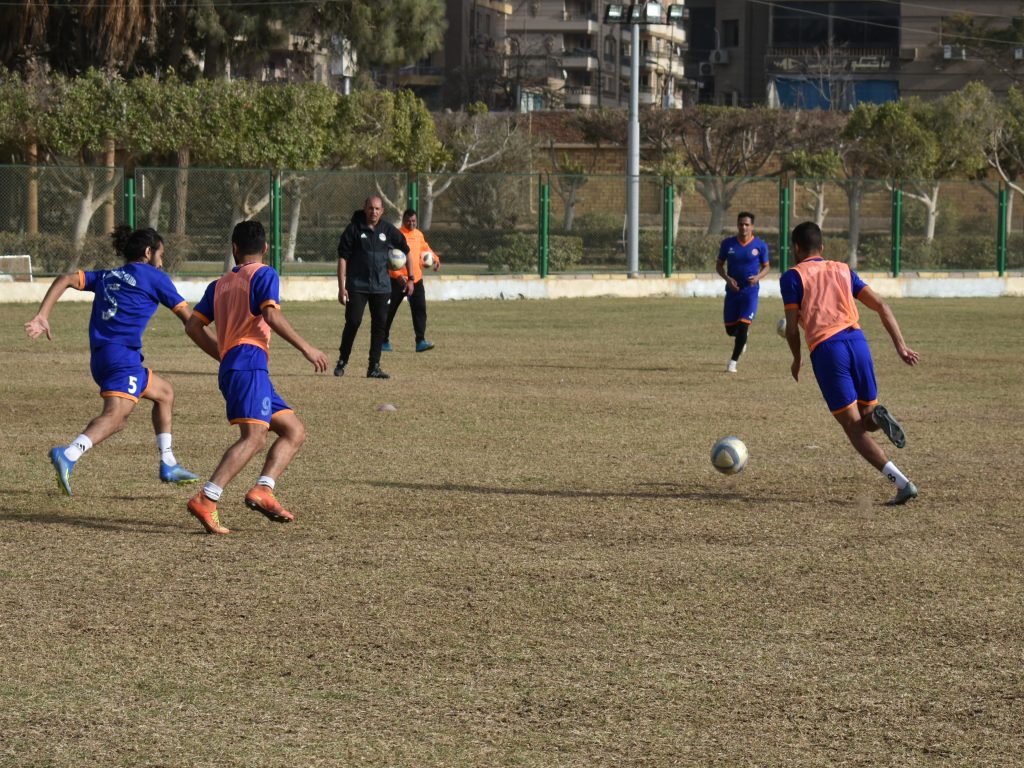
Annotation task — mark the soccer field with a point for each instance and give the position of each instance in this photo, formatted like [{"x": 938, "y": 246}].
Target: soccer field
[{"x": 531, "y": 562}]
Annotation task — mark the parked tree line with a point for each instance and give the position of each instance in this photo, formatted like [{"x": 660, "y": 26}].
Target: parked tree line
[{"x": 101, "y": 120}]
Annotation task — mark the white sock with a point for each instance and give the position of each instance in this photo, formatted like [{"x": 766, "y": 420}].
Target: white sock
[
  {"x": 163, "y": 443},
  {"x": 78, "y": 446},
  {"x": 892, "y": 472},
  {"x": 212, "y": 492},
  {"x": 267, "y": 481}
]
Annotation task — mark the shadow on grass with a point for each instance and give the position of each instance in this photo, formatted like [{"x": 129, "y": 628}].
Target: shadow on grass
[
  {"x": 97, "y": 523},
  {"x": 698, "y": 495}
]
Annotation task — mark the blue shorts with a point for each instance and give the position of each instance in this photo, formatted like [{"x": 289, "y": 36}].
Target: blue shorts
[
  {"x": 845, "y": 371},
  {"x": 119, "y": 372},
  {"x": 740, "y": 306},
  {"x": 250, "y": 397}
]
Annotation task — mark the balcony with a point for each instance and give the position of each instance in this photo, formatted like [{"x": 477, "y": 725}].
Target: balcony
[
  {"x": 580, "y": 96},
  {"x": 580, "y": 58},
  {"x": 567, "y": 24},
  {"x": 420, "y": 76}
]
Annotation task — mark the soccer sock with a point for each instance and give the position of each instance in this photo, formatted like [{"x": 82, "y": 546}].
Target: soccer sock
[
  {"x": 212, "y": 492},
  {"x": 163, "y": 442},
  {"x": 741, "y": 340},
  {"x": 892, "y": 472},
  {"x": 267, "y": 481},
  {"x": 78, "y": 446}
]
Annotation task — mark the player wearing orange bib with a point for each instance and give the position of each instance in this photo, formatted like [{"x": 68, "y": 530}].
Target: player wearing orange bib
[
  {"x": 408, "y": 281},
  {"x": 245, "y": 306},
  {"x": 819, "y": 296}
]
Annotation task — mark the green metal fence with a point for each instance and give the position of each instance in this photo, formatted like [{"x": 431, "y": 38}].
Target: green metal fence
[{"x": 483, "y": 223}]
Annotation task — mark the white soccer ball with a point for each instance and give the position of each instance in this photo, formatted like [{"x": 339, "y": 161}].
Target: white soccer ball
[
  {"x": 729, "y": 455},
  {"x": 780, "y": 328},
  {"x": 396, "y": 259},
  {"x": 428, "y": 259}
]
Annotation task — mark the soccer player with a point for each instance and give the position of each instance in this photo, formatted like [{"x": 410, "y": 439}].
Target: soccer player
[
  {"x": 742, "y": 262},
  {"x": 408, "y": 281},
  {"x": 819, "y": 297},
  {"x": 245, "y": 306},
  {"x": 126, "y": 298}
]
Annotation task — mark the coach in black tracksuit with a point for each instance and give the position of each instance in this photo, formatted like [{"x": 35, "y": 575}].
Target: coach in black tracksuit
[{"x": 363, "y": 279}]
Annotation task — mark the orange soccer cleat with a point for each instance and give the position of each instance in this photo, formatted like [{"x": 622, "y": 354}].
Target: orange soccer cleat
[
  {"x": 204, "y": 510},
  {"x": 261, "y": 498}
]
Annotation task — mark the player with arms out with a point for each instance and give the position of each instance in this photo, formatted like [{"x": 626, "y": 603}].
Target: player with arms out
[
  {"x": 742, "y": 262},
  {"x": 819, "y": 297},
  {"x": 245, "y": 306},
  {"x": 126, "y": 299}
]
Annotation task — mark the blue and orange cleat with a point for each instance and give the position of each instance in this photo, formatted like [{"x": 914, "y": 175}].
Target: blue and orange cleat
[
  {"x": 204, "y": 509},
  {"x": 63, "y": 466},
  {"x": 261, "y": 498},
  {"x": 177, "y": 475}
]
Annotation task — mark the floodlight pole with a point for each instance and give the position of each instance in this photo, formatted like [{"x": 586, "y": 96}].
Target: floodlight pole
[{"x": 633, "y": 158}]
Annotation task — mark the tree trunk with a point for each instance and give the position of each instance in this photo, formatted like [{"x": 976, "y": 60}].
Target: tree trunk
[
  {"x": 32, "y": 203},
  {"x": 570, "y": 210},
  {"x": 109, "y": 216},
  {"x": 153, "y": 219},
  {"x": 854, "y": 193},
  {"x": 932, "y": 203},
  {"x": 820, "y": 211},
  {"x": 293, "y": 222},
  {"x": 85, "y": 211},
  {"x": 425, "y": 215},
  {"x": 181, "y": 193}
]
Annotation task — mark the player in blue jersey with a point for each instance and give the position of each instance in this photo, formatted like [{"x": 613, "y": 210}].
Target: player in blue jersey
[
  {"x": 742, "y": 262},
  {"x": 126, "y": 298},
  {"x": 245, "y": 304}
]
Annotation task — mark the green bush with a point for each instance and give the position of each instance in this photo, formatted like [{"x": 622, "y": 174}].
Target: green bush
[
  {"x": 55, "y": 254},
  {"x": 518, "y": 254}
]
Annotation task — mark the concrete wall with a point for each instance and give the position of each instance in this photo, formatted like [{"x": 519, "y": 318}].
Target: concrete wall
[{"x": 457, "y": 287}]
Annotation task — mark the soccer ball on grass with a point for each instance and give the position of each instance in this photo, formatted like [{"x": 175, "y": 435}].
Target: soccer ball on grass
[{"x": 729, "y": 455}]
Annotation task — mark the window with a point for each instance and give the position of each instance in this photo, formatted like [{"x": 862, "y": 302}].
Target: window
[
  {"x": 869, "y": 24},
  {"x": 730, "y": 33}
]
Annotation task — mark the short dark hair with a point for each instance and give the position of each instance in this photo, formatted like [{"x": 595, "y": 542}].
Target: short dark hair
[
  {"x": 408, "y": 212},
  {"x": 250, "y": 237},
  {"x": 807, "y": 237},
  {"x": 132, "y": 244},
  {"x": 746, "y": 215}
]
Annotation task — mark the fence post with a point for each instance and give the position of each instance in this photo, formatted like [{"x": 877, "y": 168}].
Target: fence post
[
  {"x": 667, "y": 228},
  {"x": 129, "y": 201},
  {"x": 897, "y": 229},
  {"x": 785, "y": 208},
  {"x": 275, "y": 228},
  {"x": 543, "y": 241},
  {"x": 1004, "y": 208},
  {"x": 412, "y": 192}
]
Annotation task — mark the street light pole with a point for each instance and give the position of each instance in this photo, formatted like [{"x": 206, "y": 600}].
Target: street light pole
[{"x": 633, "y": 158}]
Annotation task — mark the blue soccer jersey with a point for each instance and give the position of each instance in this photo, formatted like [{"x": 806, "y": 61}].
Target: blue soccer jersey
[
  {"x": 743, "y": 261},
  {"x": 126, "y": 299}
]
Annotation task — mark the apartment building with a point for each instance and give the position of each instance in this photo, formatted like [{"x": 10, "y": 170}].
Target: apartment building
[
  {"x": 798, "y": 53},
  {"x": 530, "y": 55}
]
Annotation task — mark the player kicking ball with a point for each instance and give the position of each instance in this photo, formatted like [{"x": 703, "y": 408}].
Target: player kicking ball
[
  {"x": 819, "y": 296},
  {"x": 245, "y": 305},
  {"x": 126, "y": 299}
]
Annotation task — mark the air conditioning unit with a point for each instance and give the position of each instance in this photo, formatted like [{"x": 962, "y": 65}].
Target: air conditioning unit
[
  {"x": 908, "y": 54},
  {"x": 950, "y": 52},
  {"x": 1018, "y": 54},
  {"x": 719, "y": 56},
  {"x": 705, "y": 69}
]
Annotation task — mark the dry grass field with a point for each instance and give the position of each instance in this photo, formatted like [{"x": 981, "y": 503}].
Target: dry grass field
[{"x": 531, "y": 561}]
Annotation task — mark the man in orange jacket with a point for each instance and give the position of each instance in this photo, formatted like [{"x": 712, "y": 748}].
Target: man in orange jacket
[{"x": 408, "y": 281}]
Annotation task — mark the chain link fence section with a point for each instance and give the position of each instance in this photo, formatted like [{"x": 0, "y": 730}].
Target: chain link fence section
[
  {"x": 316, "y": 206},
  {"x": 588, "y": 223},
  {"x": 195, "y": 209},
  {"x": 855, "y": 216},
  {"x": 950, "y": 225},
  {"x": 481, "y": 222},
  {"x": 60, "y": 216}
]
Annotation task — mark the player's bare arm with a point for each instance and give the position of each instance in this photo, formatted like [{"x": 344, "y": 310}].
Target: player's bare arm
[
  {"x": 279, "y": 324},
  {"x": 730, "y": 281},
  {"x": 793, "y": 339},
  {"x": 200, "y": 334},
  {"x": 873, "y": 301},
  {"x": 342, "y": 291},
  {"x": 40, "y": 324}
]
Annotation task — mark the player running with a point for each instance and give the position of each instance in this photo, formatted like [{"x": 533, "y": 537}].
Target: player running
[
  {"x": 126, "y": 298},
  {"x": 819, "y": 294},
  {"x": 245, "y": 305},
  {"x": 746, "y": 257}
]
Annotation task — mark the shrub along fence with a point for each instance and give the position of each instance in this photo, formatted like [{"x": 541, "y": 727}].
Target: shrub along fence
[{"x": 485, "y": 223}]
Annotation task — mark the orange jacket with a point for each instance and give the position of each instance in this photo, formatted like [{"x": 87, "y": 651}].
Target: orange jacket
[{"x": 417, "y": 245}]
